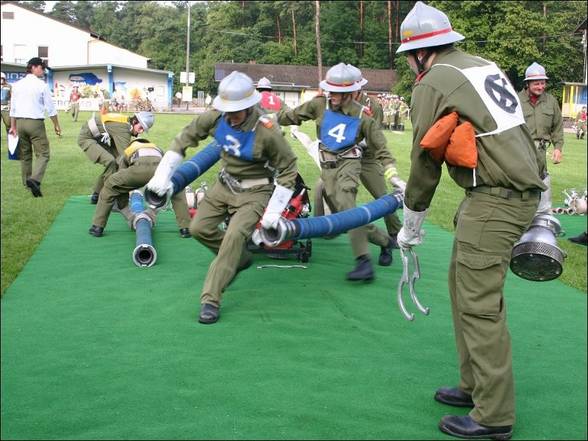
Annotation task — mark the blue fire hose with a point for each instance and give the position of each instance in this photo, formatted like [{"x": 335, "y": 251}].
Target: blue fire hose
[
  {"x": 305, "y": 228},
  {"x": 187, "y": 172},
  {"x": 144, "y": 254}
]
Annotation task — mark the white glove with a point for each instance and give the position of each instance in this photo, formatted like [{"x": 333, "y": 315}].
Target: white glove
[
  {"x": 411, "y": 234},
  {"x": 545, "y": 201},
  {"x": 279, "y": 200},
  {"x": 398, "y": 183},
  {"x": 161, "y": 183}
]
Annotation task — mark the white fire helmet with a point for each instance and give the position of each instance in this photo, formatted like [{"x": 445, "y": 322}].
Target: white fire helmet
[
  {"x": 358, "y": 75},
  {"x": 264, "y": 83},
  {"x": 236, "y": 92},
  {"x": 425, "y": 26},
  {"x": 340, "y": 78},
  {"x": 146, "y": 119},
  {"x": 535, "y": 72}
]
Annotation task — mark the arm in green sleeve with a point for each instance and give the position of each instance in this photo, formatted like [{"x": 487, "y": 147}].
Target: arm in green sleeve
[
  {"x": 376, "y": 142},
  {"x": 200, "y": 128},
  {"x": 304, "y": 112},
  {"x": 425, "y": 173},
  {"x": 557, "y": 133}
]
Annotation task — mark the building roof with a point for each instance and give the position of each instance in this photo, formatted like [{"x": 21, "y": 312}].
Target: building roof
[
  {"x": 105, "y": 65},
  {"x": 295, "y": 77}
]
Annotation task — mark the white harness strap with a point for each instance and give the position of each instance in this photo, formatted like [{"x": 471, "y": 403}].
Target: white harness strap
[{"x": 497, "y": 94}]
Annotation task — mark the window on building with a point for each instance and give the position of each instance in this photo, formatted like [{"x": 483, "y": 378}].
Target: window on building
[
  {"x": 8, "y": 15},
  {"x": 43, "y": 54}
]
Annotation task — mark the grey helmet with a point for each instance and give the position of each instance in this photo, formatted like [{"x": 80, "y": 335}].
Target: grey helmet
[
  {"x": 146, "y": 119},
  {"x": 358, "y": 75},
  {"x": 535, "y": 72},
  {"x": 340, "y": 78},
  {"x": 264, "y": 83},
  {"x": 236, "y": 92},
  {"x": 425, "y": 26}
]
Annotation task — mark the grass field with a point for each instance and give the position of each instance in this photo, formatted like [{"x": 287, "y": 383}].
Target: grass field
[{"x": 25, "y": 220}]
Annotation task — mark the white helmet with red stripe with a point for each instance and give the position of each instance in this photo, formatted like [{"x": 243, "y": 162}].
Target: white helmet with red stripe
[
  {"x": 358, "y": 75},
  {"x": 264, "y": 83},
  {"x": 340, "y": 78},
  {"x": 535, "y": 72},
  {"x": 425, "y": 26}
]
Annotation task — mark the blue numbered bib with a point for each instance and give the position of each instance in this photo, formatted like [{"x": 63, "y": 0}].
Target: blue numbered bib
[
  {"x": 338, "y": 131},
  {"x": 235, "y": 142}
]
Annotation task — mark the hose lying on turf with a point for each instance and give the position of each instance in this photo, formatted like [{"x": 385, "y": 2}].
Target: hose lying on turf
[
  {"x": 144, "y": 254},
  {"x": 187, "y": 172},
  {"x": 309, "y": 227}
]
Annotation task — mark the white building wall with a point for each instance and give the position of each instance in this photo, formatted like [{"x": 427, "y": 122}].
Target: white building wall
[
  {"x": 22, "y": 36},
  {"x": 132, "y": 83},
  {"x": 68, "y": 46}
]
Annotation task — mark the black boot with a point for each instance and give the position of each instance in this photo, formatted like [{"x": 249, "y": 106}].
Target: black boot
[
  {"x": 363, "y": 270},
  {"x": 96, "y": 231},
  {"x": 580, "y": 239},
  {"x": 386, "y": 258},
  {"x": 209, "y": 314},
  {"x": 185, "y": 233},
  {"x": 466, "y": 427},
  {"x": 94, "y": 198}
]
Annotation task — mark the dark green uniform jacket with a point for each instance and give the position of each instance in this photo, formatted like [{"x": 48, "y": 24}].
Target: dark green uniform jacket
[
  {"x": 507, "y": 159},
  {"x": 544, "y": 118}
]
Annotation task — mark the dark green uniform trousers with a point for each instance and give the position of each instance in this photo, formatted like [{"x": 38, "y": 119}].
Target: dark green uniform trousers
[
  {"x": 102, "y": 154},
  {"x": 119, "y": 184},
  {"x": 372, "y": 178},
  {"x": 245, "y": 209},
  {"x": 32, "y": 137},
  {"x": 6, "y": 119},
  {"x": 487, "y": 228},
  {"x": 341, "y": 185}
]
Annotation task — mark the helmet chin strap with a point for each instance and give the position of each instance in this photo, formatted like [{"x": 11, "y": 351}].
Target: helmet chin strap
[{"x": 422, "y": 62}]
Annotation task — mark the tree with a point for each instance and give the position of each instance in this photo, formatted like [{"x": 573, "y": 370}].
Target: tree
[
  {"x": 38, "y": 6},
  {"x": 319, "y": 56}
]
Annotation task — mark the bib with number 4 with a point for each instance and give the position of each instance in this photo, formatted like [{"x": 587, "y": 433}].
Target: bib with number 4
[{"x": 338, "y": 131}]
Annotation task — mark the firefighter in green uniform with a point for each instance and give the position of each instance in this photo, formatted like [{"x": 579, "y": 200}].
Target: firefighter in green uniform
[
  {"x": 543, "y": 117},
  {"x": 581, "y": 123},
  {"x": 105, "y": 137},
  {"x": 341, "y": 123},
  {"x": 501, "y": 196},
  {"x": 402, "y": 113},
  {"x": 372, "y": 171},
  {"x": 254, "y": 153},
  {"x": 5, "y": 103},
  {"x": 136, "y": 167}
]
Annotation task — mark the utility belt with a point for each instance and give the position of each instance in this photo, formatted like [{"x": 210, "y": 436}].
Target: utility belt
[
  {"x": 332, "y": 160},
  {"x": 507, "y": 193},
  {"x": 240, "y": 185},
  {"x": 144, "y": 152}
]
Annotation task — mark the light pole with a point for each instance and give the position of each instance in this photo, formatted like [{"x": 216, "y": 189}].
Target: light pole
[{"x": 188, "y": 54}]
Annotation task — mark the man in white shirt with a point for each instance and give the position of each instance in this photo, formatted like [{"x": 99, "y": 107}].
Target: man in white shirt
[{"x": 30, "y": 99}]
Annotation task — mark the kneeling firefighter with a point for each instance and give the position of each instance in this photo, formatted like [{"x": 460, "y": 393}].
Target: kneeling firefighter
[
  {"x": 105, "y": 137},
  {"x": 136, "y": 167},
  {"x": 254, "y": 153}
]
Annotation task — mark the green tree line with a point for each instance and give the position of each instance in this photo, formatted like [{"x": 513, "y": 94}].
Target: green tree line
[{"x": 364, "y": 33}]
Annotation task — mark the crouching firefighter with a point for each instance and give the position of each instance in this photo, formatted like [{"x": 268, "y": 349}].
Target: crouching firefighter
[
  {"x": 105, "y": 137},
  {"x": 341, "y": 124},
  {"x": 136, "y": 166},
  {"x": 254, "y": 152}
]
